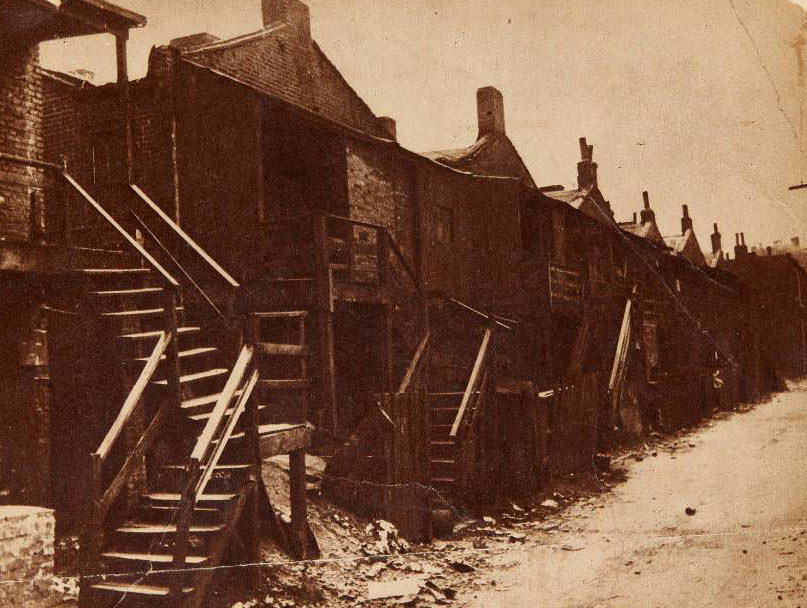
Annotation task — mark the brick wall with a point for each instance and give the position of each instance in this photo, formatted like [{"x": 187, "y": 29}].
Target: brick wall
[
  {"x": 26, "y": 555},
  {"x": 293, "y": 68},
  {"x": 471, "y": 236},
  {"x": 21, "y": 103},
  {"x": 381, "y": 190},
  {"x": 24, "y": 396},
  {"x": 220, "y": 164}
]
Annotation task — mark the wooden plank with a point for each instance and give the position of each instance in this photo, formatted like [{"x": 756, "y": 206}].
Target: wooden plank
[
  {"x": 414, "y": 364},
  {"x": 132, "y": 462},
  {"x": 193, "y": 245},
  {"x": 297, "y": 437},
  {"x": 167, "y": 277},
  {"x": 480, "y": 360},
  {"x": 621, "y": 348},
  {"x": 290, "y": 350},
  {"x": 134, "y": 397},
  {"x": 223, "y": 403},
  {"x": 239, "y": 409},
  {"x": 297, "y": 498}
]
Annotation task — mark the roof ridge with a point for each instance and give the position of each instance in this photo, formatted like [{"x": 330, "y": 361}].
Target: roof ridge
[{"x": 231, "y": 42}]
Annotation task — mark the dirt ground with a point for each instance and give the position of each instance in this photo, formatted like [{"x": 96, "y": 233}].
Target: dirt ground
[{"x": 716, "y": 516}]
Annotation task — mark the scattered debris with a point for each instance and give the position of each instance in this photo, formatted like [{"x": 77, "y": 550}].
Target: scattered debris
[
  {"x": 461, "y": 567},
  {"x": 389, "y": 540},
  {"x": 550, "y": 504}
]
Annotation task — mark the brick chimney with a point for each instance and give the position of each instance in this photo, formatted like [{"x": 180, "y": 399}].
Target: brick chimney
[
  {"x": 489, "y": 111},
  {"x": 387, "y": 126},
  {"x": 586, "y": 168},
  {"x": 686, "y": 221},
  {"x": 716, "y": 245},
  {"x": 647, "y": 214},
  {"x": 795, "y": 243},
  {"x": 293, "y": 12},
  {"x": 740, "y": 248}
]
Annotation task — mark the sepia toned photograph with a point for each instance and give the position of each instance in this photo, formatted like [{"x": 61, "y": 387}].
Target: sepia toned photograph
[{"x": 384, "y": 303}]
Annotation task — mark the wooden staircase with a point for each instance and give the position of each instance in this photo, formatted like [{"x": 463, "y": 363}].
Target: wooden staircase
[{"x": 175, "y": 487}]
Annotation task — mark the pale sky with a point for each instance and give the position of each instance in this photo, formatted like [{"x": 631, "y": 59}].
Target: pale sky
[{"x": 696, "y": 101}]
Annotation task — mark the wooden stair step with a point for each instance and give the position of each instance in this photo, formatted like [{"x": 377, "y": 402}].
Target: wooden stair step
[
  {"x": 218, "y": 467},
  {"x": 146, "y": 312},
  {"x": 155, "y": 558},
  {"x": 184, "y": 354},
  {"x": 184, "y": 330},
  {"x": 442, "y": 461},
  {"x": 196, "y": 377},
  {"x": 112, "y": 271},
  {"x": 138, "y": 589},
  {"x": 175, "y": 497},
  {"x": 228, "y": 412},
  {"x": 211, "y": 399},
  {"x": 128, "y": 292},
  {"x": 281, "y": 314},
  {"x": 149, "y": 528}
]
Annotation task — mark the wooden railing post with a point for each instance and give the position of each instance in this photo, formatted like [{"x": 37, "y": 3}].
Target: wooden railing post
[
  {"x": 92, "y": 537},
  {"x": 172, "y": 372},
  {"x": 297, "y": 498},
  {"x": 252, "y": 539},
  {"x": 324, "y": 319},
  {"x": 185, "y": 509}
]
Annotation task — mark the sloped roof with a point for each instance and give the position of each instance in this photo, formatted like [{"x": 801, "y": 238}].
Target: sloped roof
[
  {"x": 686, "y": 246},
  {"x": 647, "y": 230},
  {"x": 575, "y": 197},
  {"x": 492, "y": 154},
  {"x": 275, "y": 61}
]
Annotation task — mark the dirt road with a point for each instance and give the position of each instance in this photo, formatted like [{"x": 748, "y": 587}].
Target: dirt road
[{"x": 745, "y": 545}]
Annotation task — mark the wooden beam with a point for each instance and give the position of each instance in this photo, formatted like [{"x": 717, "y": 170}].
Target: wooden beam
[
  {"x": 297, "y": 496},
  {"x": 472, "y": 381},
  {"x": 285, "y": 441},
  {"x": 125, "y": 101}
]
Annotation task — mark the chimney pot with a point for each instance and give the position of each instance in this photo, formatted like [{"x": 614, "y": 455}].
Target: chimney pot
[
  {"x": 293, "y": 12},
  {"x": 769, "y": 250},
  {"x": 646, "y": 199},
  {"x": 634, "y": 217},
  {"x": 686, "y": 221},
  {"x": 716, "y": 244},
  {"x": 387, "y": 127},
  {"x": 489, "y": 111},
  {"x": 742, "y": 239}
]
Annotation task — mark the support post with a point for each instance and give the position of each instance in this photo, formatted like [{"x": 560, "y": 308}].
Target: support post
[
  {"x": 324, "y": 314},
  {"x": 172, "y": 353},
  {"x": 297, "y": 496},
  {"x": 125, "y": 102}
]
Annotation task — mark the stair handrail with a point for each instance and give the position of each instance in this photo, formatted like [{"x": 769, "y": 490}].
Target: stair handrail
[
  {"x": 473, "y": 382},
  {"x": 222, "y": 403},
  {"x": 165, "y": 275},
  {"x": 134, "y": 398},
  {"x": 415, "y": 363},
  {"x": 227, "y": 277},
  {"x": 500, "y": 321},
  {"x": 224, "y": 436},
  {"x": 100, "y": 498},
  {"x": 194, "y": 473},
  {"x": 176, "y": 263}
]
